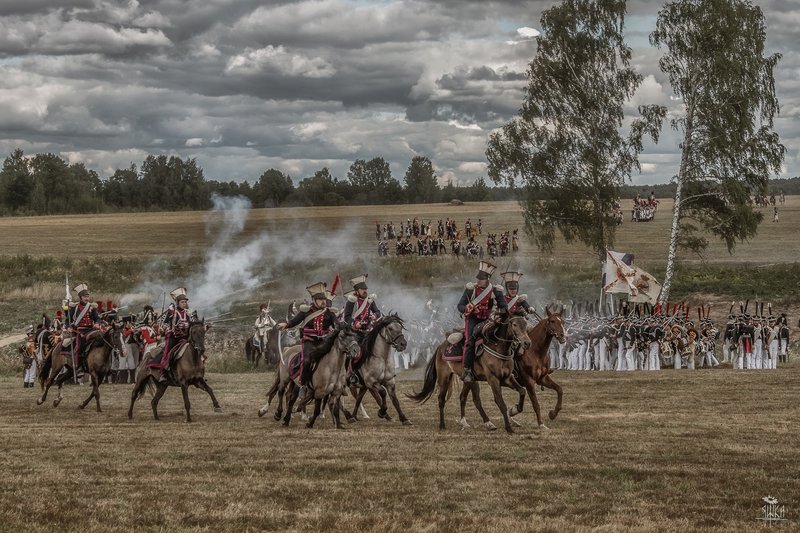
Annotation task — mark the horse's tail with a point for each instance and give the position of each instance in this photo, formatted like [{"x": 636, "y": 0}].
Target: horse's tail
[
  {"x": 429, "y": 385},
  {"x": 247, "y": 353},
  {"x": 274, "y": 388}
]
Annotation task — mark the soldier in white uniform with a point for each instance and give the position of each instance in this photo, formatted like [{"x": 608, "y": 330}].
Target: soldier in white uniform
[{"x": 773, "y": 331}]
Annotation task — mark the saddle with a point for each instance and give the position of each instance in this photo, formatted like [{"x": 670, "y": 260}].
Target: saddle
[
  {"x": 295, "y": 366},
  {"x": 174, "y": 354},
  {"x": 456, "y": 344}
]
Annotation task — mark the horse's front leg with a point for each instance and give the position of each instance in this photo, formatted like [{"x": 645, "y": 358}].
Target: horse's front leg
[
  {"x": 203, "y": 384},
  {"x": 186, "y": 405},
  {"x": 517, "y": 409},
  {"x": 475, "y": 388},
  {"x": 59, "y": 381},
  {"x": 361, "y": 392},
  {"x": 85, "y": 402},
  {"x": 494, "y": 383},
  {"x": 392, "y": 391}
]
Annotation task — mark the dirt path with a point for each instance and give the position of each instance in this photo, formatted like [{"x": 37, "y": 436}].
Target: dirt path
[{"x": 11, "y": 339}]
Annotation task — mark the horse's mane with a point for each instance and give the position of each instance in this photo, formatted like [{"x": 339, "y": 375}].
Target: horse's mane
[
  {"x": 368, "y": 343},
  {"x": 324, "y": 347}
]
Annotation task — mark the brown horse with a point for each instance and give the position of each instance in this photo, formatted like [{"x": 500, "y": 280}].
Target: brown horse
[
  {"x": 97, "y": 363},
  {"x": 534, "y": 363},
  {"x": 188, "y": 369},
  {"x": 495, "y": 366}
]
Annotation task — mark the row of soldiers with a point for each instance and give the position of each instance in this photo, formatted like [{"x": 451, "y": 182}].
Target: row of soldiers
[
  {"x": 668, "y": 338},
  {"x": 447, "y": 229}
]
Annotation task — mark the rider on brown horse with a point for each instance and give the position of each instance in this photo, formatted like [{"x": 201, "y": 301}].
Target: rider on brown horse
[
  {"x": 316, "y": 320},
  {"x": 82, "y": 319},
  {"x": 476, "y": 305},
  {"x": 514, "y": 300},
  {"x": 176, "y": 325},
  {"x": 361, "y": 312}
]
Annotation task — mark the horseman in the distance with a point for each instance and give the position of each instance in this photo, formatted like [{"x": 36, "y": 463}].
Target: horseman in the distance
[
  {"x": 176, "y": 323},
  {"x": 316, "y": 321},
  {"x": 82, "y": 321},
  {"x": 361, "y": 312},
  {"x": 476, "y": 304},
  {"x": 263, "y": 324}
]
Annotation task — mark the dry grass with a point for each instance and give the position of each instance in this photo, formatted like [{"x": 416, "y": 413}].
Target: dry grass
[
  {"x": 149, "y": 234},
  {"x": 638, "y": 451}
]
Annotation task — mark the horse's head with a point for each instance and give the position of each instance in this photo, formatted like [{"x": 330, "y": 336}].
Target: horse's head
[
  {"x": 554, "y": 323},
  {"x": 347, "y": 340},
  {"x": 197, "y": 336},
  {"x": 518, "y": 329},
  {"x": 392, "y": 332}
]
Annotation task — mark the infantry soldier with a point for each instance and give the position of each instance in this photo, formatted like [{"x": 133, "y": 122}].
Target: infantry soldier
[
  {"x": 82, "y": 320},
  {"x": 476, "y": 304},
  {"x": 176, "y": 324},
  {"x": 514, "y": 300},
  {"x": 316, "y": 321},
  {"x": 772, "y": 343},
  {"x": 783, "y": 337},
  {"x": 361, "y": 312}
]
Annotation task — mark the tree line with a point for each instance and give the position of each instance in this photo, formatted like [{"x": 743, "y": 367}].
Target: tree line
[{"x": 47, "y": 184}]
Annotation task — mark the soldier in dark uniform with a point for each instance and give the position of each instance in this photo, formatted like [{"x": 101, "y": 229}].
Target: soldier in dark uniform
[
  {"x": 514, "y": 300},
  {"x": 476, "y": 304},
  {"x": 317, "y": 320},
  {"x": 361, "y": 312},
  {"x": 82, "y": 320}
]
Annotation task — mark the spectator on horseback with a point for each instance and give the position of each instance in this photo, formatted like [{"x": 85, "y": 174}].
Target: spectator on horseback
[
  {"x": 263, "y": 324},
  {"x": 316, "y": 320},
  {"x": 476, "y": 305},
  {"x": 176, "y": 324},
  {"x": 514, "y": 300},
  {"x": 82, "y": 320},
  {"x": 361, "y": 312}
]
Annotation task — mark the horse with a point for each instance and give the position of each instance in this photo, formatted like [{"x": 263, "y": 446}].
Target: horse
[
  {"x": 376, "y": 369},
  {"x": 533, "y": 366},
  {"x": 495, "y": 366},
  {"x": 327, "y": 382},
  {"x": 188, "y": 369},
  {"x": 97, "y": 363}
]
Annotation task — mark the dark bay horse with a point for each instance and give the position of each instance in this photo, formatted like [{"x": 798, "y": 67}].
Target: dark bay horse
[
  {"x": 97, "y": 364},
  {"x": 495, "y": 366},
  {"x": 188, "y": 369}
]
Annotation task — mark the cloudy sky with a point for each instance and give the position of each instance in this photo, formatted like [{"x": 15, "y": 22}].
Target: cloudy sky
[{"x": 244, "y": 85}]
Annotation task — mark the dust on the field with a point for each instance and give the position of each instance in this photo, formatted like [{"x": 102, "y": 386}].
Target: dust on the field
[
  {"x": 666, "y": 451},
  {"x": 151, "y": 234}
]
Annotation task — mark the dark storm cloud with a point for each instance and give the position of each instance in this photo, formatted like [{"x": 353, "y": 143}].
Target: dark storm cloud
[{"x": 244, "y": 85}]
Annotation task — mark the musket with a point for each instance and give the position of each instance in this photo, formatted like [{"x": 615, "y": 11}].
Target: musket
[{"x": 67, "y": 300}]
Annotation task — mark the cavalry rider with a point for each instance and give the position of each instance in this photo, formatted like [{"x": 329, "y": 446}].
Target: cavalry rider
[
  {"x": 476, "y": 305},
  {"x": 83, "y": 319},
  {"x": 514, "y": 300},
  {"x": 263, "y": 324},
  {"x": 176, "y": 323},
  {"x": 316, "y": 321},
  {"x": 361, "y": 312}
]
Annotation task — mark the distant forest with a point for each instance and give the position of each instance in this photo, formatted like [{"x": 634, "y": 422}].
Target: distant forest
[{"x": 46, "y": 184}]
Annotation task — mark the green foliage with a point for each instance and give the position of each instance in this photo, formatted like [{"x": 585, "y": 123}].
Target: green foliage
[
  {"x": 272, "y": 189},
  {"x": 372, "y": 182},
  {"x": 565, "y": 147},
  {"x": 421, "y": 185},
  {"x": 715, "y": 62}
]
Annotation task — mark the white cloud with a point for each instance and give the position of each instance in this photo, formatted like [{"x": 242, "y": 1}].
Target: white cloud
[
  {"x": 194, "y": 141},
  {"x": 278, "y": 59}
]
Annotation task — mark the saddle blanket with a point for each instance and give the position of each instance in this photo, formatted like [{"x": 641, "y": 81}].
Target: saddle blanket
[
  {"x": 295, "y": 366},
  {"x": 174, "y": 355},
  {"x": 454, "y": 353}
]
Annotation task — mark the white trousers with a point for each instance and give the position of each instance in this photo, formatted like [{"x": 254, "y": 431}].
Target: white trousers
[
  {"x": 772, "y": 362},
  {"x": 758, "y": 354},
  {"x": 30, "y": 374},
  {"x": 653, "y": 362},
  {"x": 630, "y": 358}
]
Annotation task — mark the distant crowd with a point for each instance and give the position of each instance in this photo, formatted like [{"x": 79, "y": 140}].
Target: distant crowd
[{"x": 415, "y": 236}]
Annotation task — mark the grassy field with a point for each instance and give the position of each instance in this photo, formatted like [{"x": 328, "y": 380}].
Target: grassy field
[{"x": 667, "y": 451}]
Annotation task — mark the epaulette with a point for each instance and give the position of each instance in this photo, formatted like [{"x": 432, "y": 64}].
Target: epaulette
[
  {"x": 334, "y": 310},
  {"x": 94, "y": 305},
  {"x": 499, "y": 288},
  {"x": 351, "y": 298},
  {"x": 470, "y": 285},
  {"x": 304, "y": 308},
  {"x": 73, "y": 304},
  {"x": 372, "y": 297},
  {"x": 522, "y": 297}
]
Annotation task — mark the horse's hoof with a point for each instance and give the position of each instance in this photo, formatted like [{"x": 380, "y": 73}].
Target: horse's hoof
[
  {"x": 462, "y": 422},
  {"x": 489, "y": 426},
  {"x": 276, "y": 416},
  {"x": 552, "y": 415},
  {"x": 99, "y": 410},
  {"x": 513, "y": 411},
  {"x": 352, "y": 420},
  {"x": 261, "y": 413},
  {"x": 510, "y": 430},
  {"x": 39, "y": 401},
  {"x": 130, "y": 416},
  {"x": 56, "y": 402},
  {"x": 543, "y": 427},
  {"x": 81, "y": 406},
  {"x": 188, "y": 420},
  {"x": 514, "y": 422},
  {"x": 218, "y": 409},
  {"x": 407, "y": 423}
]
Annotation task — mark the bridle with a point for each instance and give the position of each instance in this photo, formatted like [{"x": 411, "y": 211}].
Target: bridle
[
  {"x": 394, "y": 340},
  {"x": 514, "y": 341}
]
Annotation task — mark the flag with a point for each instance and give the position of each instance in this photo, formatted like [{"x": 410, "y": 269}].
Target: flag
[
  {"x": 335, "y": 284},
  {"x": 621, "y": 276}
]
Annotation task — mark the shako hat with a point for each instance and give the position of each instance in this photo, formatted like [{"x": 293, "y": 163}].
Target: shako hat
[
  {"x": 179, "y": 294},
  {"x": 359, "y": 282},
  {"x": 511, "y": 279},
  {"x": 82, "y": 289},
  {"x": 485, "y": 270},
  {"x": 317, "y": 291}
]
